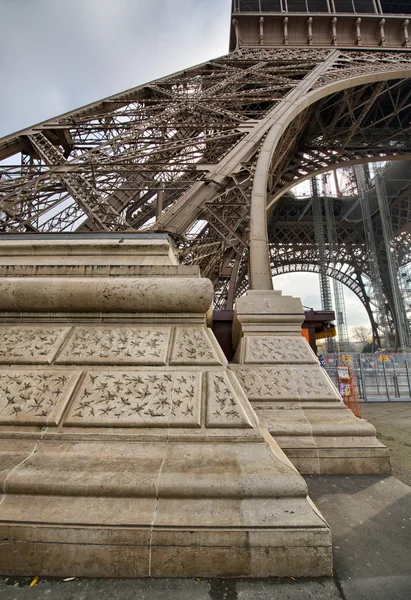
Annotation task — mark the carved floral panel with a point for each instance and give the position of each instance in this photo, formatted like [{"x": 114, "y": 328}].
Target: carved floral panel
[
  {"x": 192, "y": 346},
  {"x": 138, "y": 398},
  {"x": 261, "y": 383},
  {"x": 30, "y": 344},
  {"x": 313, "y": 383},
  {"x": 224, "y": 408},
  {"x": 286, "y": 383},
  {"x": 34, "y": 397},
  {"x": 117, "y": 345},
  {"x": 270, "y": 349}
]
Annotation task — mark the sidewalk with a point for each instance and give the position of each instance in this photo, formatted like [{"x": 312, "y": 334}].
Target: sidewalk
[
  {"x": 392, "y": 421},
  {"x": 370, "y": 519}
]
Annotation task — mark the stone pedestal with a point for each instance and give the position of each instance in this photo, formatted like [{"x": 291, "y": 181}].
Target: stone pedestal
[
  {"x": 293, "y": 396},
  {"x": 128, "y": 448}
]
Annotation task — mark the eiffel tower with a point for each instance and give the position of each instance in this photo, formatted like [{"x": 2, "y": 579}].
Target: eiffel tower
[
  {"x": 131, "y": 446},
  {"x": 212, "y": 153}
]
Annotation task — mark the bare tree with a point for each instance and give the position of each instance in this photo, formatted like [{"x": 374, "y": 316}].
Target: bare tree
[{"x": 362, "y": 334}]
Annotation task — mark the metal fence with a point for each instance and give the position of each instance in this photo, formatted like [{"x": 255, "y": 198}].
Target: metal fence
[{"x": 376, "y": 380}]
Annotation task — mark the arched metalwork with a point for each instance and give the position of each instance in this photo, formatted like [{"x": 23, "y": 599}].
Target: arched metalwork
[
  {"x": 351, "y": 279},
  {"x": 193, "y": 154}
]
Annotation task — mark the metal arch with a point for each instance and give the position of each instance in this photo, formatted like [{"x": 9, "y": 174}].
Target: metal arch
[
  {"x": 367, "y": 155},
  {"x": 348, "y": 280},
  {"x": 354, "y": 284},
  {"x": 280, "y": 147},
  {"x": 292, "y": 228},
  {"x": 347, "y": 128},
  {"x": 107, "y": 142},
  {"x": 314, "y": 169},
  {"x": 185, "y": 149}
]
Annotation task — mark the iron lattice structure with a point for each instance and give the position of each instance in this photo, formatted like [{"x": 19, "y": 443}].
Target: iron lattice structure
[{"x": 211, "y": 154}]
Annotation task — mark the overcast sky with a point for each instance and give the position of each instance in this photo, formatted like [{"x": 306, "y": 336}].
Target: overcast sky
[{"x": 57, "y": 55}]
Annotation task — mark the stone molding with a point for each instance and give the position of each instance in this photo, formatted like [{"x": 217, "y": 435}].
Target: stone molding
[
  {"x": 293, "y": 397},
  {"x": 105, "y": 295},
  {"x": 128, "y": 447}
]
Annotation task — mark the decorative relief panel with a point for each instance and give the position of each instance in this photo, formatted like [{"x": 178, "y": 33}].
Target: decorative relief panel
[
  {"x": 223, "y": 405},
  {"x": 138, "y": 398},
  {"x": 117, "y": 345},
  {"x": 267, "y": 383},
  {"x": 269, "y": 349},
  {"x": 193, "y": 347},
  {"x": 28, "y": 345},
  {"x": 34, "y": 397},
  {"x": 285, "y": 383},
  {"x": 313, "y": 383}
]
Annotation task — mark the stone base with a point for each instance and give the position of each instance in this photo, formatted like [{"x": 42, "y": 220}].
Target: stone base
[
  {"x": 199, "y": 549},
  {"x": 326, "y": 441},
  {"x": 336, "y": 461},
  {"x": 127, "y": 446},
  {"x": 293, "y": 397},
  {"x": 159, "y": 509}
]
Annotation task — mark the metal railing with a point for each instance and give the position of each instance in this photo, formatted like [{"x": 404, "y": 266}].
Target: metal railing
[{"x": 376, "y": 380}]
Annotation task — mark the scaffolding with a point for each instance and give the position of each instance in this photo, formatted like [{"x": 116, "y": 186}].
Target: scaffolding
[
  {"x": 405, "y": 285},
  {"x": 400, "y": 314},
  {"x": 325, "y": 288},
  {"x": 371, "y": 251},
  {"x": 338, "y": 289}
]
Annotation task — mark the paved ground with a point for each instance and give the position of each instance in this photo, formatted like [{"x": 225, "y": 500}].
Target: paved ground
[
  {"x": 393, "y": 423},
  {"x": 173, "y": 589},
  {"x": 370, "y": 518}
]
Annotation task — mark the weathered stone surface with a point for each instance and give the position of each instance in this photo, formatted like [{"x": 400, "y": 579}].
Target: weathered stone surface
[
  {"x": 193, "y": 346},
  {"x": 281, "y": 349},
  {"x": 62, "y": 254},
  {"x": 138, "y": 398},
  {"x": 266, "y": 313},
  {"x": 285, "y": 383},
  {"x": 117, "y": 345},
  {"x": 24, "y": 344},
  {"x": 35, "y": 397},
  {"x": 223, "y": 406},
  {"x": 293, "y": 397},
  {"x": 115, "y": 295},
  {"x": 191, "y": 501},
  {"x": 156, "y": 464}
]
